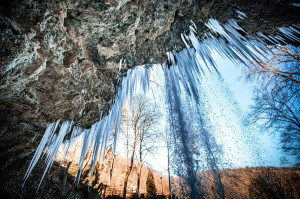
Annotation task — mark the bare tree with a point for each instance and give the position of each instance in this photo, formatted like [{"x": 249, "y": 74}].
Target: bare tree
[
  {"x": 277, "y": 94},
  {"x": 111, "y": 167},
  {"x": 141, "y": 119},
  {"x": 146, "y": 132},
  {"x": 167, "y": 140},
  {"x": 125, "y": 121},
  {"x": 269, "y": 184}
]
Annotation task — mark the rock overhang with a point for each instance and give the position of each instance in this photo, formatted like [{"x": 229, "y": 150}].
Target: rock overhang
[{"x": 67, "y": 54}]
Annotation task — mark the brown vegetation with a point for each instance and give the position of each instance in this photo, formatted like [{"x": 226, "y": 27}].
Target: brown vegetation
[
  {"x": 256, "y": 182},
  {"x": 102, "y": 173}
]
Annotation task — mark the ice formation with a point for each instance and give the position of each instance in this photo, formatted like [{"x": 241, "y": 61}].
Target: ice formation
[
  {"x": 185, "y": 80},
  {"x": 137, "y": 80},
  {"x": 186, "y": 71}
]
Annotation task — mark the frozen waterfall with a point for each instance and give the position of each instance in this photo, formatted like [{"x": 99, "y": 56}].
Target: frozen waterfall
[{"x": 184, "y": 72}]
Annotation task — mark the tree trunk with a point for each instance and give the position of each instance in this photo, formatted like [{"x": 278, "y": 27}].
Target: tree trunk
[
  {"x": 138, "y": 187},
  {"x": 130, "y": 167},
  {"x": 139, "y": 180},
  {"x": 64, "y": 182},
  {"x": 62, "y": 195},
  {"x": 170, "y": 192},
  {"x": 111, "y": 169},
  {"x": 127, "y": 144}
]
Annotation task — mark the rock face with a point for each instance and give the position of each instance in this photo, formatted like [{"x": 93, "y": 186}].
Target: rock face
[{"x": 60, "y": 59}]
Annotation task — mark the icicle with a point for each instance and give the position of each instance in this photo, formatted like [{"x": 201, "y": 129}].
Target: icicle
[
  {"x": 289, "y": 33},
  {"x": 64, "y": 130},
  {"x": 82, "y": 154},
  {"x": 25, "y": 126},
  {"x": 97, "y": 141},
  {"x": 3, "y": 131},
  {"x": 260, "y": 34},
  {"x": 184, "y": 41},
  {"x": 296, "y": 4},
  {"x": 122, "y": 3},
  {"x": 35, "y": 136},
  {"x": 50, "y": 129},
  {"x": 241, "y": 15},
  {"x": 65, "y": 151},
  {"x": 120, "y": 65},
  {"x": 69, "y": 143}
]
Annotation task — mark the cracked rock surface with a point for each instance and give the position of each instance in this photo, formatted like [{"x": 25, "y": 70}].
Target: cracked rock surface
[{"x": 60, "y": 59}]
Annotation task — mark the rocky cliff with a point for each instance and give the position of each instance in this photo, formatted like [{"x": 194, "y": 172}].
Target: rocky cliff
[{"x": 60, "y": 59}]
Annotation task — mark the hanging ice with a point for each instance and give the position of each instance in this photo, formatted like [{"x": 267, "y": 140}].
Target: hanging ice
[
  {"x": 185, "y": 74},
  {"x": 187, "y": 116},
  {"x": 97, "y": 136}
]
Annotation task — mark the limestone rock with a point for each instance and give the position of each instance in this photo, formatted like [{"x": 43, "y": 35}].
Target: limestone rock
[{"x": 60, "y": 59}]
